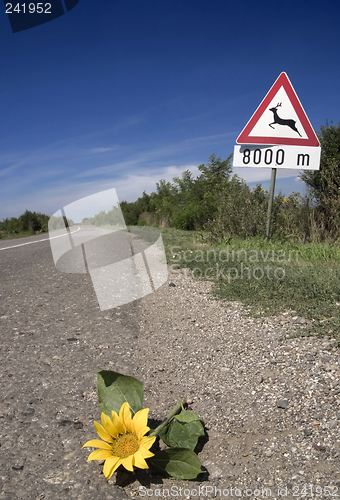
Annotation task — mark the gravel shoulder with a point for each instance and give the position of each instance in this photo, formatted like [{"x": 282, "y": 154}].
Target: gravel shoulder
[{"x": 270, "y": 402}]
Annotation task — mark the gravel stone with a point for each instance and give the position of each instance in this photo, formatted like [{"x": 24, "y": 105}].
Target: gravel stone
[{"x": 283, "y": 403}]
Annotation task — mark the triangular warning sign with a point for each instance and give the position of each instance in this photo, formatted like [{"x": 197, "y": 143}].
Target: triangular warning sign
[{"x": 280, "y": 119}]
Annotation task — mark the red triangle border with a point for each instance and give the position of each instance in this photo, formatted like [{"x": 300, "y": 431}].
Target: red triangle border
[{"x": 282, "y": 81}]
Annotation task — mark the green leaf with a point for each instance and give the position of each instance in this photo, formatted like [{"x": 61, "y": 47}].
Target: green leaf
[
  {"x": 187, "y": 416},
  {"x": 178, "y": 463},
  {"x": 114, "y": 389},
  {"x": 183, "y": 431}
]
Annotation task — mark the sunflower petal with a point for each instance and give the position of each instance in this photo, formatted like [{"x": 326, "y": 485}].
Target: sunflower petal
[
  {"x": 108, "y": 425},
  {"x": 127, "y": 462},
  {"x": 145, "y": 452},
  {"x": 140, "y": 420},
  {"x": 147, "y": 441},
  {"x": 125, "y": 416},
  {"x": 111, "y": 464},
  {"x": 117, "y": 422},
  {"x": 139, "y": 461},
  {"x": 99, "y": 455},
  {"x": 97, "y": 443},
  {"x": 102, "y": 433},
  {"x": 143, "y": 431}
]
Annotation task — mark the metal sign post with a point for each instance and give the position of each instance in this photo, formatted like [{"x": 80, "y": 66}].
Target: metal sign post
[{"x": 270, "y": 202}]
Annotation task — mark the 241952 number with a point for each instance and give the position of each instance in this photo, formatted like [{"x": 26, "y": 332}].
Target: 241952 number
[{"x": 31, "y": 8}]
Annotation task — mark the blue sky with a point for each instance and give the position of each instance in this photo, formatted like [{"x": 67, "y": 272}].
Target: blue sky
[{"x": 120, "y": 94}]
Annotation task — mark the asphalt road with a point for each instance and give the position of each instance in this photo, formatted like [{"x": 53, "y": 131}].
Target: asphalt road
[{"x": 53, "y": 338}]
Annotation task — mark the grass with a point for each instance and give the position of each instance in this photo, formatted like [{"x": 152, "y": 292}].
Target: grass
[
  {"x": 4, "y": 235},
  {"x": 267, "y": 276}
]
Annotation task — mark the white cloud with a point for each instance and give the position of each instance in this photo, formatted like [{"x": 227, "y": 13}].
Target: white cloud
[
  {"x": 99, "y": 150},
  {"x": 132, "y": 187},
  {"x": 52, "y": 178},
  {"x": 262, "y": 174},
  {"x": 129, "y": 187},
  {"x": 211, "y": 138}
]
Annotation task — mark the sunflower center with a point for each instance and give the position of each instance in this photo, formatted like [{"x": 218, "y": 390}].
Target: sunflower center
[{"x": 125, "y": 445}]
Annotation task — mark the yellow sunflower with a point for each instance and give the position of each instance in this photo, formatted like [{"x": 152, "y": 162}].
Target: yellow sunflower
[{"x": 124, "y": 441}]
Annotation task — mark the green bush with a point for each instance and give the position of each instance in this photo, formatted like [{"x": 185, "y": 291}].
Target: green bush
[{"x": 28, "y": 223}]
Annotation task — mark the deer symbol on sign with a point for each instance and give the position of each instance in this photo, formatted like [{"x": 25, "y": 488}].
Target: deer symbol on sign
[{"x": 282, "y": 121}]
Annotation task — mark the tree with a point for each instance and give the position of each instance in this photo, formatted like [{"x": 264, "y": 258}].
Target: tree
[
  {"x": 324, "y": 184},
  {"x": 130, "y": 213},
  {"x": 216, "y": 170},
  {"x": 30, "y": 221},
  {"x": 213, "y": 183}
]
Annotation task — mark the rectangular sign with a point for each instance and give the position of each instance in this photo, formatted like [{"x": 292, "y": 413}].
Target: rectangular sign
[{"x": 282, "y": 156}]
